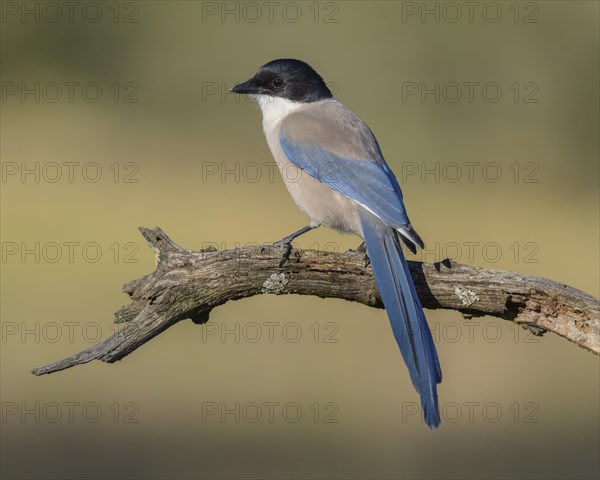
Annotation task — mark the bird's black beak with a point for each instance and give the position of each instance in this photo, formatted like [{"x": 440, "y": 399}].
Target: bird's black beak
[{"x": 249, "y": 86}]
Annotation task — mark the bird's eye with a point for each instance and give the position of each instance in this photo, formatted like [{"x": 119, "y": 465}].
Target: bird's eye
[{"x": 278, "y": 83}]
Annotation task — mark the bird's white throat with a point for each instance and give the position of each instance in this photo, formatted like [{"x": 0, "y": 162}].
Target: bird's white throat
[{"x": 275, "y": 109}]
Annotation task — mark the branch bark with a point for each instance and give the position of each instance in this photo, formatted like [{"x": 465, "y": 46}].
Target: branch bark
[{"x": 189, "y": 284}]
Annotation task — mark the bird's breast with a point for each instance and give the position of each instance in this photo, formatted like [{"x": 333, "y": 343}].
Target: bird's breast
[{"x": 320, "y": 203}]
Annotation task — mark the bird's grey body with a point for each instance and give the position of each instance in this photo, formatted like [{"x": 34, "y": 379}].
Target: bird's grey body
[
  {"x": 336, "y": 129},
  {"x": 321, "y": 204},
  {"x": 333, "y": 168}
]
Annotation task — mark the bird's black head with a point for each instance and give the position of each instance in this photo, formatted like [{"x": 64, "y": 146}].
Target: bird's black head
[{"x": 287, "y": 78}]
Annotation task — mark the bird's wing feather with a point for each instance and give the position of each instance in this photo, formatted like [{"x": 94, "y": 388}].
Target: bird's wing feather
[{"x": 343, "y": 154}]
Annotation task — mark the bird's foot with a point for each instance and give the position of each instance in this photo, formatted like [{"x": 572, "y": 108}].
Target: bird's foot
[
  {"x": 286, "y": 244},
  {"x": 362, "y": 248},
  {"x": 286, "y": 250}
]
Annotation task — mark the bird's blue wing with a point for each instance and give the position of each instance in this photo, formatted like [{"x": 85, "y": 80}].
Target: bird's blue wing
[
  {"x": 337, "y": 149},
  {"x": 366, "y": 181}
]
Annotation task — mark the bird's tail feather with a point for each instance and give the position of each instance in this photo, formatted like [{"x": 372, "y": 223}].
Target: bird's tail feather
[{"x": 404, "y": 311}]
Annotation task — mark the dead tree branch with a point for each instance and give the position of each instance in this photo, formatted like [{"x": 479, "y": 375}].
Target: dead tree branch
[{"x": 189, "y": 284}]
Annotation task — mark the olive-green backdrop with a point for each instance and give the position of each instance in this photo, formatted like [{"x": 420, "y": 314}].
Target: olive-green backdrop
[{"x": 115, "y": 115}]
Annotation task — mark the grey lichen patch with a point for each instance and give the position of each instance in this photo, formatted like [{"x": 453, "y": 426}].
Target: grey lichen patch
[
  {"x": 275, "y": 283},
  {"x": 466, "y": 297}
]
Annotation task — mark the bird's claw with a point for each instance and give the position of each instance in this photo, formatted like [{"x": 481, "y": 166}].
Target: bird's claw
[
  {"x": 286, "y": 251},
  {"x": 286, "y": 244},
  {"x": 362, "y": 248}
]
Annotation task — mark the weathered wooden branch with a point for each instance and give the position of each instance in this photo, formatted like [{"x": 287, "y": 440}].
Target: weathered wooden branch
[{"x": 189, "y": 284}]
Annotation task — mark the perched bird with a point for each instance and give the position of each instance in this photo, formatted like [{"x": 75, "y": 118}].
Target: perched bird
[{"x": 334, "y": 170}]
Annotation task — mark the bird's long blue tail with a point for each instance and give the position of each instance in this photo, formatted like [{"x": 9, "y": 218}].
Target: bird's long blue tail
[{"x": 404, "y": 311}]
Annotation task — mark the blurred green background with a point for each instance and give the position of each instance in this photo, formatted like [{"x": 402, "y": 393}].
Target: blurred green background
[{"x": 175, "y": 150}]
